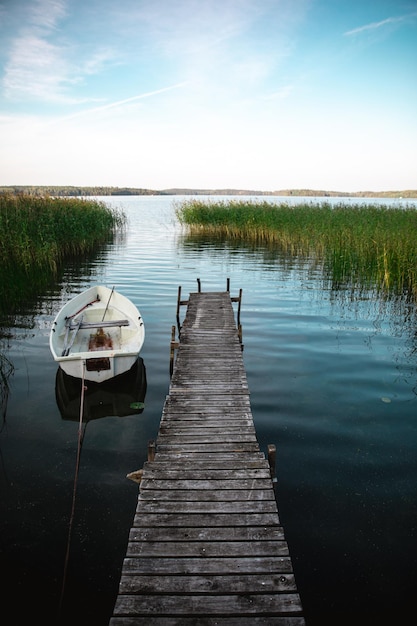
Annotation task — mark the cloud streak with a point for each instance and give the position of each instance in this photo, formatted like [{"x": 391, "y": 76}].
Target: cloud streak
[
  {"x": 118, "y": 103},
  {"x": 373, "y": 26}
]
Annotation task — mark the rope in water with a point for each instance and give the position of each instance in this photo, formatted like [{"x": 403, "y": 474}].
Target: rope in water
[{"x": 81, "y": 432}]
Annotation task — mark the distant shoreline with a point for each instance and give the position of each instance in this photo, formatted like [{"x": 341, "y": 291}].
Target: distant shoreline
[{"x": 66, "y": 190}]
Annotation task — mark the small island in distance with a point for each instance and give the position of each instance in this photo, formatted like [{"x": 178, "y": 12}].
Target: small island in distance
[{"x": 65, "y": 190}]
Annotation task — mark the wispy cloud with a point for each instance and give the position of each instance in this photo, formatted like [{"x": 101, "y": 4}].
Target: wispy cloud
[
  {"x": 117, "y": 103},
  {"x": 280, "y": 94},
  {"x": 41, "y": 61},
  {"x": 36, "y": 69},
  {"x": 100, "y": 59},
  {"x": 373, "y": 26},
  {"x": 45, "y": 14}
]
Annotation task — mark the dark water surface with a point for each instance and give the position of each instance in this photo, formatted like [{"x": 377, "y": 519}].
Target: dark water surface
[{"x": 333, "y": 382}]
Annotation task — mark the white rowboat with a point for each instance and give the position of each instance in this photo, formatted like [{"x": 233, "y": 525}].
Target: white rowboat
[{"x": 97, "y": 335}]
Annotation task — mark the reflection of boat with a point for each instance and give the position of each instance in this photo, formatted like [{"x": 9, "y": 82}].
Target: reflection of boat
[
  {"x": 120, "y": 396},
  {"x": 83, "y": 402},
  {"x": 97, "y": 335}
]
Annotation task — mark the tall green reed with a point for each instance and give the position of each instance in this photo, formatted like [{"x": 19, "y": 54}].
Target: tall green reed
[
  {"x": 364, "y": 246},
  {"x": 37, "y": 234}
]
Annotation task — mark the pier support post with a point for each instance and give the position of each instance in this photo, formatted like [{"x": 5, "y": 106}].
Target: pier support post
[
  {"x": 173, "y": 346},
  {"x": 151, "y": 450},
  {"x": 272, "y": 458}
]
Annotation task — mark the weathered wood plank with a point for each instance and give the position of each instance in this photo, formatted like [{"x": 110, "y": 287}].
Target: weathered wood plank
[
  {"x": 207, "y": 565},
  {"x": 208, "y": 447},
  {"x": 252, "y": 483},
  {"x": 180, "y": 439},
  {"x": 226, "y": 390},
  {"x": 208, "y": 533},
  {"x": 164, "y": 472},
  {"x": 209, "y": 495},
  {"x": 206, "y": 549},
  {"x": 207, "y": 418},
  {"x": 234, "y": 583},
  {"x": 207, "y": 402},
  {"x": 197, "y": 428},
  {"x": 217, "y": 519},
  {"x": 206, "y": 620},
  {"x": 239, "y": 604},
  {"x": 215, "y": 459},
  {"x": 194, "y": 507}
]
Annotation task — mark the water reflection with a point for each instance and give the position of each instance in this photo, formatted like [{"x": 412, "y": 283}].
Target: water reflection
[
  {"x": 6, "y": 371},
  {"x": 120, "y": 396},
  {"x": 355, "y": 294},
  {"x": 322, "y": 363}
]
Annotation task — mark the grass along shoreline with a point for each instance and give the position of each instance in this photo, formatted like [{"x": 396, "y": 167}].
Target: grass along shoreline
[
  {"x": 43, "y": 231},
  {"x": 37, "y": 234},
  {"x": 361, "y": 246}
]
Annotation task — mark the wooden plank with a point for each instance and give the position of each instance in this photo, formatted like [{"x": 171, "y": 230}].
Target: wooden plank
[
  {"x": 253, "y": 620},
  {"x": 216, "y": 519},
  {"x": 209, "y": 402},
  {"x": 206, "y": 565},
  {"x": 216, "y": 439},
  {"x": 192, "y": 387},
  {"x": 194, "y": 508},
  {"x": 234, "y": 583},
  {"x": 206, "y": 549},
  {"x": 164, "y": 472},
  {"x": 239, "y": 604},
  {"x": 235, "y": 458},
  {"x": 244, "y": 484},
  {"x": 210, "y": 495},
  {"x": 209, "y": 533},
  {"x": 214, "y": 427},
  {"x": 215, "y": 461},
  {"x": 208, "y": 447}
]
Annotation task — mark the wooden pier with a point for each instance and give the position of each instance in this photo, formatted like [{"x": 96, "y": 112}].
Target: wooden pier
[{"x": 207, "y": 546}]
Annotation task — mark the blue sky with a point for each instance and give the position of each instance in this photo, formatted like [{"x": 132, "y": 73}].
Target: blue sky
[{"x": 249, "y": 94}]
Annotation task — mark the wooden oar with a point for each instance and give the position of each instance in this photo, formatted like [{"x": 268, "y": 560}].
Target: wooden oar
[
  {"x": 107, "y": 306},
  {"x": 75, "y": 329}
]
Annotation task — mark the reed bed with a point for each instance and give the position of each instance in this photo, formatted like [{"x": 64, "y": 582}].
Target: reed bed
[
  {"x": 37, "y": 234},
  {"x": 43, "y": 231},
  {"x": 366, "y": 246}
]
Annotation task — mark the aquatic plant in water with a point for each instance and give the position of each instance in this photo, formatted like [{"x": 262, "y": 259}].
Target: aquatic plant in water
[
  {"x": 37, "y": 234},
  {"x": 363, "y": 246}
]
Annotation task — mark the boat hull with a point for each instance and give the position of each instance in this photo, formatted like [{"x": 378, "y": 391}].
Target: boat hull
[{"x": 97, "y": 335}]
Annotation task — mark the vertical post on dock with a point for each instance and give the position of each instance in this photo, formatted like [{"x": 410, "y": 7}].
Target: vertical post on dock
[
  {"x": 178, "y": 307},
  {"x": 174, "y": 344},
  {"x": 238, "y": 307},
  {"x": 199, "y": 285},
  {"x": 151, "y": 450},
  {"x": 272, "y": 457}
]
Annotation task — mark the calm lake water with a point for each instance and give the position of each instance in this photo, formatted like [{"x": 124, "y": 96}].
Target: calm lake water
[{"x": 333, "y": 382}]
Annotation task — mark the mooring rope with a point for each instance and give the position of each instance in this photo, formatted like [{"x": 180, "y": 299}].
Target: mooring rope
[{"x": 81, "y": 432}]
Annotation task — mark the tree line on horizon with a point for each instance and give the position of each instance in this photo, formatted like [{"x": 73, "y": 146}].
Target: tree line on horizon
[{"x": 73, "y": 191}]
